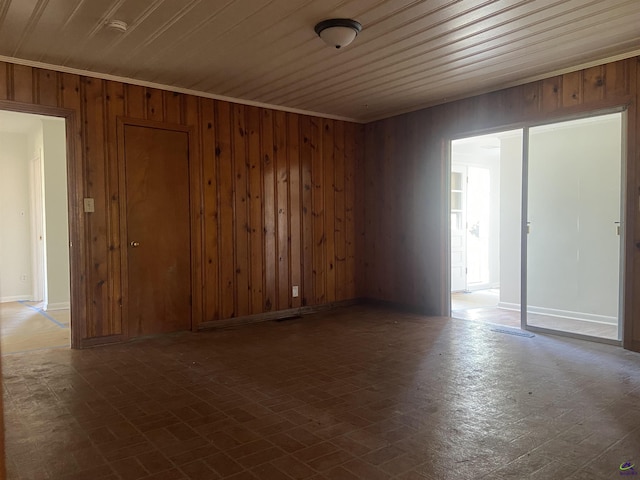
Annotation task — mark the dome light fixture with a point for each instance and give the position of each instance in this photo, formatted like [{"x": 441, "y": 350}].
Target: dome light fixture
[
  {"x": 338, "y": 32},
  {"x": 117, "y": 25}
]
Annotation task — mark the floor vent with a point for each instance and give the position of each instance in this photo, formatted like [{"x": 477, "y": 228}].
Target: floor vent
[{"x": 517, "y": 333}]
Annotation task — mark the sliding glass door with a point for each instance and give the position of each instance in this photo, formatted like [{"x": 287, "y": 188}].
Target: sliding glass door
[{"x": 573, "y": 231}]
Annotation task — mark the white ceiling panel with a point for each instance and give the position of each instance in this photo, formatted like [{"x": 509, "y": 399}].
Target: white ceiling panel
[{"x": 411, "y": 53}]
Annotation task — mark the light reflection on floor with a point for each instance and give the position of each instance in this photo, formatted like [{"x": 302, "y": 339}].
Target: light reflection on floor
[{"x": 482, "y": 306}]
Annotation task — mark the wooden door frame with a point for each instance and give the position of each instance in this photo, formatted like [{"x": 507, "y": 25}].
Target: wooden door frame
[
  {"x": 76, "y": 220},
  {"x": 195, "y": 216}
]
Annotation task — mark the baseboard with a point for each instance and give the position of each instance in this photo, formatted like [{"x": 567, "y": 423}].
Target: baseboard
[
  {"x": 100, "y": 341},
  {"x": 509, "y": 306},
  {"x": 16, "y": 298},
  {"x": 56, "y": 306},
  {"x": 552, "y": 312},
  {"x": 277, "y": 315}
]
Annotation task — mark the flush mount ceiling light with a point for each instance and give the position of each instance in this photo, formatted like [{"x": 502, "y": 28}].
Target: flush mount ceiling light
[
  {"x": 338, "y": 32},
  {"x": 117, "y": 25}
]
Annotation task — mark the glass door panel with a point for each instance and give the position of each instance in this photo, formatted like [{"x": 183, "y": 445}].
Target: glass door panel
[{"x": 573, "y": 240}]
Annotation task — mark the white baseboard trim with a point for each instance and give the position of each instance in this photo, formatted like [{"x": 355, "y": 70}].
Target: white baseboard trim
[
  {"x": 56, "y": 306},
  {"x": 552, "y": 312},
  {"x": 509, "y": 306},
  {"x": 16, "y": 298}
]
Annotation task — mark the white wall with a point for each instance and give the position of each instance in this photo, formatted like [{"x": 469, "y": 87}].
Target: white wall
[
  {"x": 34, "y": 136},
  {"x": 510, "y": 214},
  {"x": 472, "y": 153},
  {"x": 574, "y": 200},
  {"x": 56, "y": 213},
  {"x": 15, "y": 222}
]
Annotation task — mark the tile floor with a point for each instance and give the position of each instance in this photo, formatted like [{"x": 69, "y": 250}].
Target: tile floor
[{"x": 360, "y": 392}]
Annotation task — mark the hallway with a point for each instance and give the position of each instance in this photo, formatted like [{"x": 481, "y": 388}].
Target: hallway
[{"x": 25, "y": 327}]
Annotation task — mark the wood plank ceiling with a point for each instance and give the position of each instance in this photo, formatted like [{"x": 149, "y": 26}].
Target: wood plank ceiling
[{"x": 410, "y": 54}]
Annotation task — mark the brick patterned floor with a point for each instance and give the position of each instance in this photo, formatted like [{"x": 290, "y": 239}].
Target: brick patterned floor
[{"x": 354, "y": 393}]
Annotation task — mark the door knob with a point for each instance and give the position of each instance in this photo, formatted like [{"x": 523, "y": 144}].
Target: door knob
[{"x": 134, "y": 244}]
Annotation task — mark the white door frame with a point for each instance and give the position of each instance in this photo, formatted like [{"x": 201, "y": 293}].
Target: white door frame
[
  {"x": 38, "y": 239},
  {"x": 525, "y": 228}
]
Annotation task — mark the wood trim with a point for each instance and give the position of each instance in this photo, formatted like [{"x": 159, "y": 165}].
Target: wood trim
[
  {"x": 106, "y": 340},
  {"x": 77, "y": 260},
  {"x": 196, "y": 208},
  {"x": 124, "y": 263},
  {"x": 630, "y": 307}
]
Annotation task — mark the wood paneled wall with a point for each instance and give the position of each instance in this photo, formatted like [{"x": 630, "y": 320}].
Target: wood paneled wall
[
  {"x": 279, "y": 197},
  {"x": 406, "y": 181}
]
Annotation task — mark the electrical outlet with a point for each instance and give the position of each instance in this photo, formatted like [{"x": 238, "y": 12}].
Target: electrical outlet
[
  {"x": 89, "y": 205},
  {"x": 294, "y": 291},
  {"x": 23, "y": 278}
]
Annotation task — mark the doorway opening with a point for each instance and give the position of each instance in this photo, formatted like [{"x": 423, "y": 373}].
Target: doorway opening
[
  {"x": 35, "y": 278},
  {"x": 536, "y": 227},
  {"x": 485, "y": 227}
]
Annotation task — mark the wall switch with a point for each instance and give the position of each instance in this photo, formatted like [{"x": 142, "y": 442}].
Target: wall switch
[
  {"x": 89, "y": 205},
  {"x": 294, "y": 291}
]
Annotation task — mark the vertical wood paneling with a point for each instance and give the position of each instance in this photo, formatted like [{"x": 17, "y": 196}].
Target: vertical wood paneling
[
  {"x": 388, "y": 210},
  {"x": 269, "y": 201},
  {"x": 400, "y": 171},
  {"x": 115, "y": 107},
  {"x": 631, "y": 306},
  {"x": 136, "y": 101},
  {"x": 339, "y": 220},
  {"x": 94, "y": 119},
  {"x": 22, "y": 84},
  {"x": 350, "y": 225},
  {"x": 211, "y": 217},
  {"x": 155, "y": 106},
  {"x": 533, "y": 96},
  {"x": 617, "y": 78},
  {"x": 306, "y": 158},
  {"x": 255, "y": 209},
  {"x": 329, "y": 209},
  {"x": 631, "y": 339},
  {"x": 572, "y": 84},
  {"x": 551, "y": 94},
  {"x": 4, "y": 80},
  {"x": 404, "y": 218},
  {"x": 317, "y": 201},
  {"x": 274, "y": 203},
  {"x": 196, "y": 202},
  {"x": 370, "y": 267},
  {"x": 47, "y": 82},
  {"x": 71, "y": 100},
  {"x": 241, "y": 211},
  {"x": 295, "y": 206},
  {"x": 282, "y": 208},
  {"x": 173, "y": 105},
  {"x": 593, "y": 84},
  {"x": 226, "y": 219}
]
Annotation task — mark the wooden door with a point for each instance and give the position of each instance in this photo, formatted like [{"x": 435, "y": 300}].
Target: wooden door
[{"x": 158, "y": 229}]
